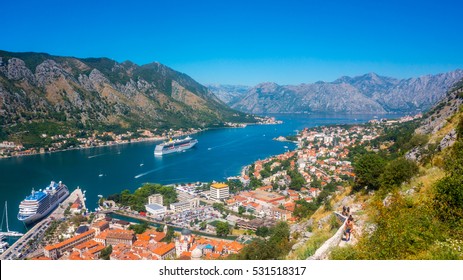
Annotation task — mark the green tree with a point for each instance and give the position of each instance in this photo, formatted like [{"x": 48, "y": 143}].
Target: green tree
[
  {"x": 276, "y": 247},
  {"x": 139, "y": 228},
  {"x": 448, "y": 199},
  {"x": 241, "y": 210},
  {"x": 454, "y": 163},
  {"x": 78, "y": 219},
  {"x": 106, "y": 253},
  {"x": 397, "y": 172},
  {"x": 297, "y": 180},
  {"x": 263, "y": 231},
  {"x": 280, "y": 235},
  {"x": 218, "y": 206},
  {"x": 160, "y": 228},
  {"x": 255, "y": 183},
  {"x": 368, "y": 168},
  {"x": 304, "y": 209},
  {"x": 203, "y": 225},
  {"x": 169, "y": 235},
  {"x": 235, "y": 186},
  {"x": 258, "y": 249},
  {"x": 222, "y": 228}
]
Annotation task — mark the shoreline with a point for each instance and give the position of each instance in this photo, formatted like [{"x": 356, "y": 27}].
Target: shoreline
[
  {"x": 105, "y": 145},
  {"x": 137, "y": 141}
]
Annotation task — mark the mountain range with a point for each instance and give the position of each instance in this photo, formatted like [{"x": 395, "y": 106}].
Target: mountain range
[
  {"x": 369, "y": 93},
  {"x": 101, "y": 93}
]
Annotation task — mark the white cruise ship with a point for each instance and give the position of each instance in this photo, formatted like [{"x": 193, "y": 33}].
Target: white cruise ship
[
  {"x": 176, "y": 145},
  {"x": 40, "y": 203}
]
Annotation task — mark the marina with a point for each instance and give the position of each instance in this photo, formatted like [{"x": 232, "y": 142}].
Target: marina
[{"x": 22, "y": 247}]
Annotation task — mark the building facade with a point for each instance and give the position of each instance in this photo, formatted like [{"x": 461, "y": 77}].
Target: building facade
[
  {"x": 185, "y": 205},
  {"x": 156, "y": 199},
  {"x": 219, "y": 191},
  {"x": 55, "y": 251}
]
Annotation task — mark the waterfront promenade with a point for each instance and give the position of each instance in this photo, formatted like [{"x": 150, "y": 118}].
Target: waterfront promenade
[{"x": 26, "y": 244}]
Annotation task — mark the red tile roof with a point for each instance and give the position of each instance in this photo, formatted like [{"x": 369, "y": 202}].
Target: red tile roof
[{"x": 70, "y": 240}]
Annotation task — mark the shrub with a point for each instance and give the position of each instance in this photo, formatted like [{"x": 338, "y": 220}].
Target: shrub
[
  {"x": 397, "y": 172},
  {"x": 368, "y": 168}
]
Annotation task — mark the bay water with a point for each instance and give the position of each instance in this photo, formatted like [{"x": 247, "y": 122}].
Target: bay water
[{"x": 220, "y": 153}]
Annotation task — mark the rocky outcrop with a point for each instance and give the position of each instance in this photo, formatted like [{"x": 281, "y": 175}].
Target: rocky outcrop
[
  {"x": 448, "y": 140},
  {"x": 436, "y": 118},
  {"x": 16, "y": 70},
  {"x": 103, "y": 92}
]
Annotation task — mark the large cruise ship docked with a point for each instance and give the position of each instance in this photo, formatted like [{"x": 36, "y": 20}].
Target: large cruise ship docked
[
  {"x": 176, "y": 145},
  {"x": 40, "y": 203}
]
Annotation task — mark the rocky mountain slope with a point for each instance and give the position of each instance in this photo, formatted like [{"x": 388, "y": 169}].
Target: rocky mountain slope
[
  {"x": 100, "y": 92},
  {"x": 369, "y": 93},
  {"x": 229, "y": 94},
  {"x": 437, "y": 117}
]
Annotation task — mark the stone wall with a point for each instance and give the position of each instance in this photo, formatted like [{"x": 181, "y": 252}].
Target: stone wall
[{"x": 329, "y": 244}]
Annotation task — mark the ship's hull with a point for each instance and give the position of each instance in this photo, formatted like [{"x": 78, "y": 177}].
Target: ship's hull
[
  {"x": 38, "y": 216},
  {"x": 175, "y": 148}
]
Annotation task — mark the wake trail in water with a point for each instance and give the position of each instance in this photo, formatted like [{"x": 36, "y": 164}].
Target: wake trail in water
[
  {"x": 154, "y": 170},
  {"x": 226, "y": 144},
  {"x": 147, "y": 172},
  {"x": 96, "y": 156}
]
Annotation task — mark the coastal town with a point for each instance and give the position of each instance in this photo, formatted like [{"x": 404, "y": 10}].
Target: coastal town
[
  {"x": 84, "y": 140},
  {"x": 208, "y": 220}
]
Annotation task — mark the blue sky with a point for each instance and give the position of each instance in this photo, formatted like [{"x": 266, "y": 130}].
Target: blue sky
[{"x": 247, "y": 42}]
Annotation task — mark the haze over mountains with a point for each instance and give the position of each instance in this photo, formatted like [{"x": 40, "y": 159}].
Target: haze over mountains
[
  {"x": 369, "y": 93},
  {"x": 100, "y": 92}
]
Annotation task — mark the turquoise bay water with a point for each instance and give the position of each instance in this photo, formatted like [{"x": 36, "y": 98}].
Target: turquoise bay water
[{"x": 219, "y": 154}]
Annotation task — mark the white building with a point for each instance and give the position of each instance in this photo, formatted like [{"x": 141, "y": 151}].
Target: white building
[
  {"x": 155, "y": 209},
  {"x": 185, "y": 205},
  {"x": 155, "y": 199},
  {"x": 219, "y": 191}
]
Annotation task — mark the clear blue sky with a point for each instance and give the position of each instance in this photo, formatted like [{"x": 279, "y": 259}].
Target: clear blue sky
[{"x": 247, "y": 42}]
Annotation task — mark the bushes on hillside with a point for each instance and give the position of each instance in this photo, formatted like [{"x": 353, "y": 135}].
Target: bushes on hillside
[
  {"x": 368, "y": 168},
  {"x": 448, "y": 199},
  {"x": 277, "y": 246},
  {"x": 396, "y": 172}
]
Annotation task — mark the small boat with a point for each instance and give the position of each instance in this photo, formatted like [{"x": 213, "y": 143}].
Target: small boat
[
  {"x": 100, "y": 196},
  {"x": 8, "y": 231},
  {"x": 286, "y": 147},
  {"x": 141, "y": 164},
  {"x": 209, "y": 149},
  {"x": 101, "y": 175}
]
